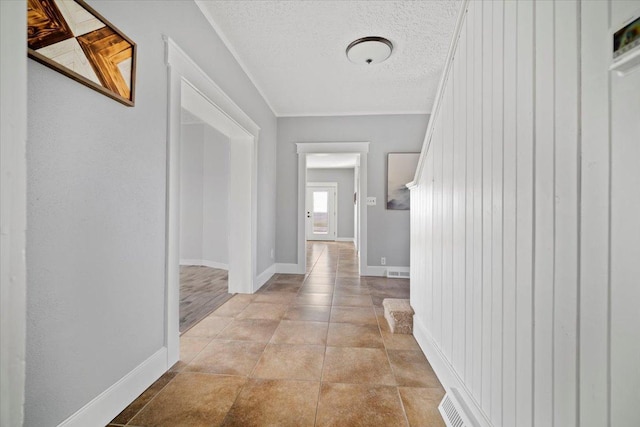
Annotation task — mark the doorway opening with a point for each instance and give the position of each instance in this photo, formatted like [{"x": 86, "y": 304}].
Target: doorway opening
[
  {"x": 191, "y": 89},
  {"x": 204, "y": 219},
  {"x": 328, "y": 153}
]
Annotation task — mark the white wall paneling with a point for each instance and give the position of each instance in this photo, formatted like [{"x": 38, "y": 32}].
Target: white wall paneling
[
  {"x": 509, "y": 223},
  {"x": 511, "y": 280},
  {"x": 595, "y": 217},
  {"x": 624, "y": 278}
]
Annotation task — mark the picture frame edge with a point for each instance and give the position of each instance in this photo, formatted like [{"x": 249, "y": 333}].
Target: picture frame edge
[{"x": 47, "y": 62}]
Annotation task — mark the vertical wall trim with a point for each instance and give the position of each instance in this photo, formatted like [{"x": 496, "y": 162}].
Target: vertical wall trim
[
  {"x": 533, "y": 224},
  {"x": 578, "y": 210},
  {"x": 609, "y": 227},
  {"x": 501, "y": 350},
  {"x": 517, "y": 266},
  {"x": 188, "y": 82},
  {"x": 554, "y": 216}
]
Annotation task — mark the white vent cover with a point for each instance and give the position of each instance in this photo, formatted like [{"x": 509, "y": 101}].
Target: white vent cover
[
  {"x": 398, "y": 274},
  {"x": 451, "y": 409}
]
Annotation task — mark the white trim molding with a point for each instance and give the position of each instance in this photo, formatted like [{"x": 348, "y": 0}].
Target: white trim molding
[
  {"x": 453, "y": 45},
  {"x": 357, "y": 113},
  {"x": 445, "y": 372},
  {"x": 265, "y": 276},
  {"x": 332, "y": 147},
  {"x": 203, "y": 8},
  {"x": 110, "y": 402},
  {"x": 205, "y": 263},
  {"x": 288, "y": 268},
  {"x": 190, "y": 87},
  {"x": 346, "y": 239}
]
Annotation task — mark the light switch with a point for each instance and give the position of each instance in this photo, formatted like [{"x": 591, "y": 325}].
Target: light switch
[{"x": 371, "y": 201}]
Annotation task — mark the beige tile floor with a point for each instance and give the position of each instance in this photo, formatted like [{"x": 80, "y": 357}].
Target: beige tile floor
[{"x": 305, "y": 350}]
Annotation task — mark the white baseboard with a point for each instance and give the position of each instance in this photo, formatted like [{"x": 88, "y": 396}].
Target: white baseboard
[
  {"x": 206, "y": 263},
  {"x": 381, "y": 270},
  {"x": 113, "y": 400},
  {"x": 445, "y": 372},
  {"x": 264, "y": 277},
  {"x": 346, "y": 239},
  {"x": 285, "y": 268}
]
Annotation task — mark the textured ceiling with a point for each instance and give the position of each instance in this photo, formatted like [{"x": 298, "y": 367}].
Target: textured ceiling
[{"x": 294, "y": 51}]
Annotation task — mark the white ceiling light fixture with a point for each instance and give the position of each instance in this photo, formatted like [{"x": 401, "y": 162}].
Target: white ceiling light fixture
[{"x": 369, "y": 50}]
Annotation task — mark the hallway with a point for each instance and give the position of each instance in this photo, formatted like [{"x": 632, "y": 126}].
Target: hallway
[{"x": 303, "y": 351}]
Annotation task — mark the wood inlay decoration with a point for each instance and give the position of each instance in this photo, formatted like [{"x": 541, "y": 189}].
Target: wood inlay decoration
[
  {"x": 105, "y": 49},
  {"x": 72, "y": 38},
  {"x": 46, "y": 25}
]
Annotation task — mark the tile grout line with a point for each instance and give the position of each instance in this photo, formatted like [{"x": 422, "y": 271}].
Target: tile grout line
[
  {"x": 316, "y": 271},
  {"x": 315, "y": 420},
  {"x": 150, "y": 400},
  {"x": 248, "y": 377},
  {"x": 324, "y": 357}
]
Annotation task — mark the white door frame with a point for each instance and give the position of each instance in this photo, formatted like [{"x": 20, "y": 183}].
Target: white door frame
[
  {"x": 305, "y": 148},
  {"x": 192, "y": 88},
  {"x": 334, "y": 186}
]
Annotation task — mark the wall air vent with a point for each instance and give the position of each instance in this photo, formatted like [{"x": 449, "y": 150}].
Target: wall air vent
[
  {"x": 397, "y": 274},
  {"x": 452, "y": 411}
]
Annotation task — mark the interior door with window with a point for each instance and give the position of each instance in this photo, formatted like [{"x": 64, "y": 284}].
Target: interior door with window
[{"x": 321, "y": 213}]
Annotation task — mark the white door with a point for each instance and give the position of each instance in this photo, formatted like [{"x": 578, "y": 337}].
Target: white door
[{"x": 321, "y": 213}]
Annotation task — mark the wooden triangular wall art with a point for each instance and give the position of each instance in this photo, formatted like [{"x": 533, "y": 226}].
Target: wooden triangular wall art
[{"x": 72, "y": 38}]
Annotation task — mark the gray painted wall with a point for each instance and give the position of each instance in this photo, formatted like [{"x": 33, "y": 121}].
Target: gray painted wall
[
  {"x": 344, "y": 178},
  {"x": 215, "y": 197},
  {"x": 191, "y": 195},
  {"x": 204, "y": 194},
  {"x": 96, "y": 209},
  {"x": 388, "y": 231}
]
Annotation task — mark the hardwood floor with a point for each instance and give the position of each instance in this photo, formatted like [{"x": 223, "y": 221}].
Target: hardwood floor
[{"x": 202, "y": 290}]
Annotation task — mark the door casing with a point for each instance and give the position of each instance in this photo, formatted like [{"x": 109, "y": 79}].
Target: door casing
[{"x": 190, "y": 87}]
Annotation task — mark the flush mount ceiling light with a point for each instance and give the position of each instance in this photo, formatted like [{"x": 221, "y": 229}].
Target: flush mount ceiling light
[{"x": 369, "y": 50}]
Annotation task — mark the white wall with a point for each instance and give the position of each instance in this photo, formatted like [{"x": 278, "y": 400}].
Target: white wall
[
  {"x": 191, "y": 191},
  {"x": 345, "y": 180},
  {"x": 204, "y": 196},
  {"x": 388, "y": 230},
  {"x": 525, "y": 219},
  {"x": 215, "y": 198},
  {"x": 13, "y": 206},
  {"x": 96, "y": 210}
]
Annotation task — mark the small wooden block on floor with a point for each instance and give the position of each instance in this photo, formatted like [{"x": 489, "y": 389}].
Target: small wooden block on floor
[{"x": 399, "y": 315}]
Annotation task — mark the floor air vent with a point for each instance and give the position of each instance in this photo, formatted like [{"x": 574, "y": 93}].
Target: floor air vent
[
  {"x": 451, "y": 409},
  {"x": 397, "y": 274}
]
